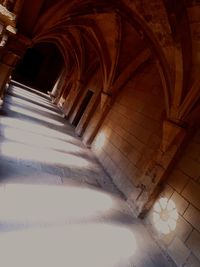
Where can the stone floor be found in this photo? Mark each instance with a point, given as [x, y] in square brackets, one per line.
[57, 205]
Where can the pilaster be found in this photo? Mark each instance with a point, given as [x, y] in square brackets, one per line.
[174, 136]
[104, 108]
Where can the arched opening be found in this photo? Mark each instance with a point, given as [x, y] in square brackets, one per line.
[128, 85]
[40, 67]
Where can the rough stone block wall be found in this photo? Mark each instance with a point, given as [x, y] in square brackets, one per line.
[183, 188]
[193, 9]
[132, 130]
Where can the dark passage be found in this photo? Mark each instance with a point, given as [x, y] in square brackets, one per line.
[40, 67]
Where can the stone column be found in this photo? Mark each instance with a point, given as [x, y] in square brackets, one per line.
[7, 63]
[9, 4]
[174, 137]
[58, 87]
[104, 107]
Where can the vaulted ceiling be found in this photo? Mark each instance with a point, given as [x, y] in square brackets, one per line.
[118, 34]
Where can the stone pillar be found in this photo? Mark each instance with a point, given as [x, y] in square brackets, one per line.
[79, 91]
[7, 63]
[58, 85]
[105, 106]
[9, 4]
[174, 136]
[58, 88]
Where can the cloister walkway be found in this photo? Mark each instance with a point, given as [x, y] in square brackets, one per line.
[57, 205]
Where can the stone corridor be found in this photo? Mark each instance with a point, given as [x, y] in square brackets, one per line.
[57, 205]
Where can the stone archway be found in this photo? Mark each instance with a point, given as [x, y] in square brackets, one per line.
[37, 67]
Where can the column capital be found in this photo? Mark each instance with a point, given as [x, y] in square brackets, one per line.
[172, 133]
[9, 58]
[18, 44]
[106, 99]
[79, 82]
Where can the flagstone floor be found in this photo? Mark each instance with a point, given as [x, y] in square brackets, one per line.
[57, 205]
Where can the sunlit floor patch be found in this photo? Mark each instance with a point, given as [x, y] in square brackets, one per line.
[32, 105]
[30, 95]
[73, 245]
[28, 89]
[39, 141]
[47, 228]
[33, 97]
[52, 204]
[35, 115]
[33, 127]
[21, 151]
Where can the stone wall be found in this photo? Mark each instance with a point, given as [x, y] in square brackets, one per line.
[183, 188]
[193, 9]
[132, 130]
